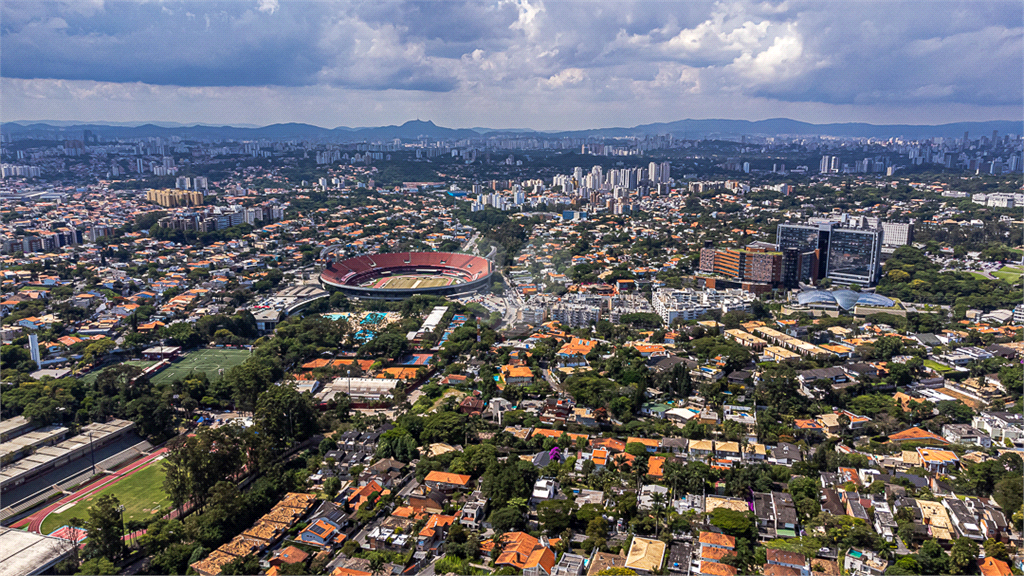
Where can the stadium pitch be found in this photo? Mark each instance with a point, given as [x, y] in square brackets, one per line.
[412, 282]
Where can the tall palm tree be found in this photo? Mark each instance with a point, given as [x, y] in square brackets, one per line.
[377, 565]
[658, 507]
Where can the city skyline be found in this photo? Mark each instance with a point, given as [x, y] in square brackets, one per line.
[536, 65]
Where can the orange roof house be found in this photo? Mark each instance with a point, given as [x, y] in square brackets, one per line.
[339, 571]
[906, 401]
[518, 550]
[917, 434]
[438, 480]
[650, 444]
[719, 540]
[543, 558]
[717, 569]
[362, 494]
[656, 466]
[994, 567]
[556, 434]
[610, 444]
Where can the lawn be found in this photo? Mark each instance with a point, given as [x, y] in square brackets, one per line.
[936, 366]
[1009, 274]
[210, 361]
[91, 377]
[141, 494]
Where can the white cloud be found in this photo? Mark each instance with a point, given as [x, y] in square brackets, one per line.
[567, 77]
[267, 6]
[560, 62]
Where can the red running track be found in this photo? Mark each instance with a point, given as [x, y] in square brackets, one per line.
[35, 522]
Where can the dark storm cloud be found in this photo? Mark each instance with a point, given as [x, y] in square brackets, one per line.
[857, 53]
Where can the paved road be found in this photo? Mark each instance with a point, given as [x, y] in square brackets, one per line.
[35, 522]
[429, 570]
[404, 492]
[472, 239]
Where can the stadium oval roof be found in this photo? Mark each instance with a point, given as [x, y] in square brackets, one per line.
[845, 299]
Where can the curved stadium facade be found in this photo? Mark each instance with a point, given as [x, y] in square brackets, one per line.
[845, 299]
[464, 273]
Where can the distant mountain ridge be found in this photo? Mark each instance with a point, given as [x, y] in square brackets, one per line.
[413, 129]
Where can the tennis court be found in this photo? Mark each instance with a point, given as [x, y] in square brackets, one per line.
[211, 361]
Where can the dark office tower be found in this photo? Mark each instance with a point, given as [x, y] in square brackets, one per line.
[854, 256]
[807, 239]
[791, 268]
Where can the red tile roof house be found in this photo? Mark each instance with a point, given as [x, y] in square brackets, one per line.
[435, 532]
[289, 555]
[447, 482]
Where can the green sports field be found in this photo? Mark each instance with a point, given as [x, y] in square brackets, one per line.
[1009, 274]
[210, 361]
[91, 377]
[405, 282]
[141, 494]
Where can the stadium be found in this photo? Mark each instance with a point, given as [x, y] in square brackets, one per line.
[399, 275]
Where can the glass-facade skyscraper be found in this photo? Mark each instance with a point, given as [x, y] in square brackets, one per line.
[827, 250]
[854, 256]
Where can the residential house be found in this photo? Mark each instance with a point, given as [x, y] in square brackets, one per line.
[359, 496]
[433, 535]
[701, 450]
[288, 555]
[516, 375]
[776, 515]
[429, 501]
[497, 407]
[446, 481]
[864, 563]
[646, 555]
[673, 445]
[472, 405]
[601, 561]
[791, 560]
[517, 548]
[645, 501]
[755, 452]
[990, 566]
[569, 565]
[936, 460]
[991, 519]
[729, 451]
[785, 454]
[1001, 426]
[391, 535]
[714, 547]
[649, 444]
[963, 519]
[585, 496]
[885, 525]
[321, 532]
[541, 562]
[474, 512]
[916, 434]
[965, 434]
[544, 489]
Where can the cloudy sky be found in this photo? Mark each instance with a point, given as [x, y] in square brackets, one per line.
[511, 64]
